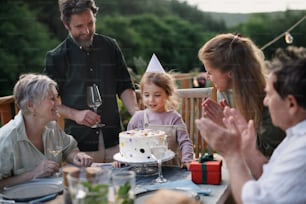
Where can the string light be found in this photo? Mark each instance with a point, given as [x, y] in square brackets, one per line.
[286, 34]
[288, 38]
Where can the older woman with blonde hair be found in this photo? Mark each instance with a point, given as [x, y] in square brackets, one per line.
[25, 141]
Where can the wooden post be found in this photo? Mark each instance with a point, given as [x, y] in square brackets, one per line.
[5, 109]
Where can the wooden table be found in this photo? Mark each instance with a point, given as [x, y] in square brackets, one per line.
[219, 194]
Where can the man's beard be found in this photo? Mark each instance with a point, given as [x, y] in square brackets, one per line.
[84, 43]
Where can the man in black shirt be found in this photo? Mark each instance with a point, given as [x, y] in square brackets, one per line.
[85, 58]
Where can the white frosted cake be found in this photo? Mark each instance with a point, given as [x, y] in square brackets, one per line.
[134, 145]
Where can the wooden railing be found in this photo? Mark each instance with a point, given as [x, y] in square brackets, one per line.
[8, 109]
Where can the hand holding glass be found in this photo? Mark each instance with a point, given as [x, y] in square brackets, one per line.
[94, 100]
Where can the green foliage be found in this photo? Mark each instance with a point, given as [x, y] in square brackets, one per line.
[174, 40]
[123, 196]
[23, 43]
[161, 8]
[171, 29]
[262, 28]
[96, 193]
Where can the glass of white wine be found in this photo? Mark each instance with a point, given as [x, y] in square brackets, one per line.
[158, 152]
[55, 151]
[94, 100]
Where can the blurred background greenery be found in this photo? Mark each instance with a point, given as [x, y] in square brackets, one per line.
[172, 29]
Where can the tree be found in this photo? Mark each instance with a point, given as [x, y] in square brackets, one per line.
[262, 28]
[23, 42]
[174, 40]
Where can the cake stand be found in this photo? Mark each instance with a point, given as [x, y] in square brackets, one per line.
[147, 167]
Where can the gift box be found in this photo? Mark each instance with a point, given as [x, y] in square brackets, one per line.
[206, 172]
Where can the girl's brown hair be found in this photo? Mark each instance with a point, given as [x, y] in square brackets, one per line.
[164, 81]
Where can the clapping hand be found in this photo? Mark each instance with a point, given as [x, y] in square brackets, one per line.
[214, 111]
[246, 129]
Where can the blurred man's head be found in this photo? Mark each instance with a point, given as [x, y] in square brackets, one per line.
[286, 92]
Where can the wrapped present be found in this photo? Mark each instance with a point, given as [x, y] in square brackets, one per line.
[206, 170]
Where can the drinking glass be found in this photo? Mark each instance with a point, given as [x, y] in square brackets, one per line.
[158, 152]
[55, 151]
[94, 100]
[123, 186]
[91, 188]
[73, 171]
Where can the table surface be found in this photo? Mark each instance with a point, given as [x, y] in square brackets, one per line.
[219, 193]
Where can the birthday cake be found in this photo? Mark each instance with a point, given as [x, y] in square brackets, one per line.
[134, 145]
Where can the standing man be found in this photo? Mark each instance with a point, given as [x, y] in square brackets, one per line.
[85, 58]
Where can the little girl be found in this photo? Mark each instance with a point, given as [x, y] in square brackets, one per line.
[158, 96]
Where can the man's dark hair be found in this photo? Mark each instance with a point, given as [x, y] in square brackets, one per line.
[291, 79]
[290, 52]
[70, 7]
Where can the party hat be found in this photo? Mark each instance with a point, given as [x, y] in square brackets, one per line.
[154, 65]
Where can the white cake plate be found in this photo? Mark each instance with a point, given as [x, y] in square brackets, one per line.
[169, 155]
[144, 168]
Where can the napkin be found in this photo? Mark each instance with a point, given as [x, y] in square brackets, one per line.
[186, 185]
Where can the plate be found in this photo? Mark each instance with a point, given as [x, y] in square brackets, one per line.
[169, 155]
[29, 191]
[110, 166]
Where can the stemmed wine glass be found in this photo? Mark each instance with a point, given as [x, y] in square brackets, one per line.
[55, 151]
[158, 152]
[94, 100]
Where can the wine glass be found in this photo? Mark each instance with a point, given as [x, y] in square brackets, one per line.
[55, 151]
[94, 100]
[158, 152]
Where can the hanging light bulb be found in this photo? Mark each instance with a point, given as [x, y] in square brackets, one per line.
[288, 38]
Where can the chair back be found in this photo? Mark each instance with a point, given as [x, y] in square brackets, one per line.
[8, 109]
[191, 109]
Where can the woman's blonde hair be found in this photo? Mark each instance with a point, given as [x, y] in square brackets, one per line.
[164, 81]
[245, 61]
